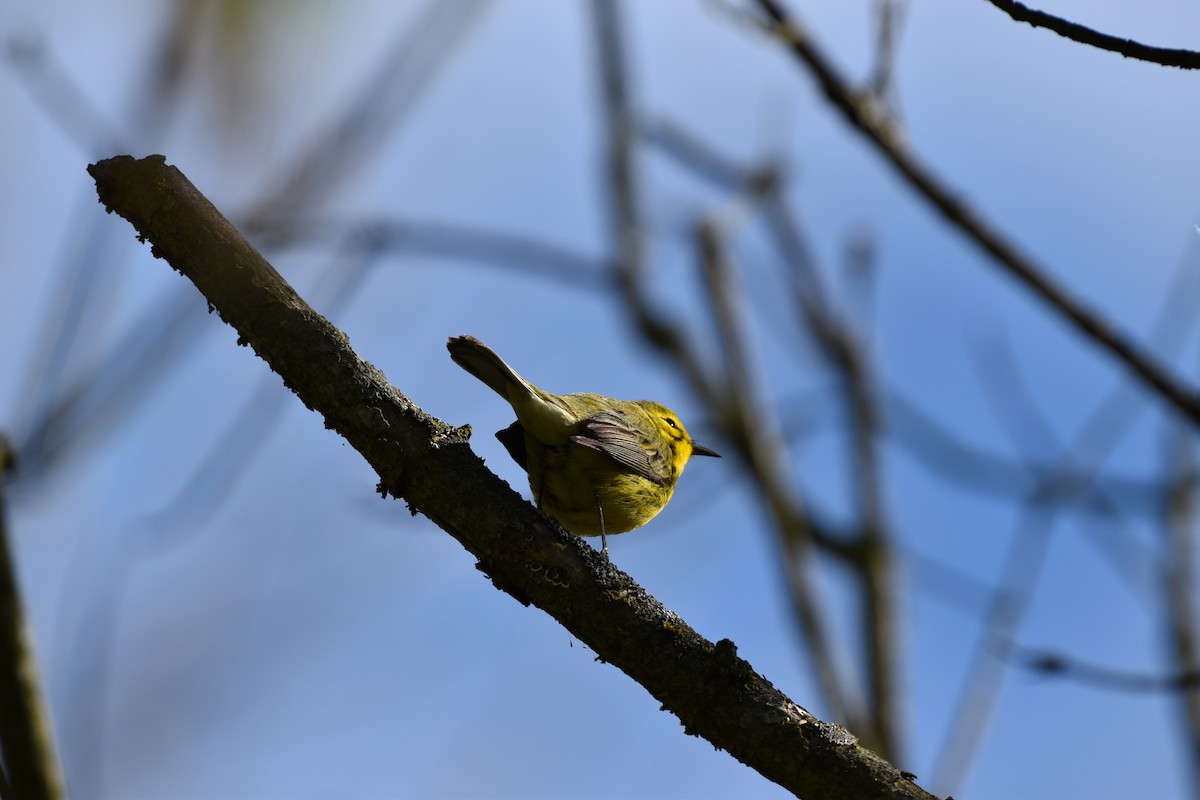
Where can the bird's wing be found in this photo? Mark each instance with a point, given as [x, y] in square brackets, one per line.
[620, 439]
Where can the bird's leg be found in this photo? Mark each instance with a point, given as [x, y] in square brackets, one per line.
[603, 539]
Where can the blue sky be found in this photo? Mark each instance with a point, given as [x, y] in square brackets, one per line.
[287, 634]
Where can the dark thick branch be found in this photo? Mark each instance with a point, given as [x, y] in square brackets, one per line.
[864, 112]
[715, 693]
[1168, 57]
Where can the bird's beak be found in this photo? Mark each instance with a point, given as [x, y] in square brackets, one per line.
[701, 450]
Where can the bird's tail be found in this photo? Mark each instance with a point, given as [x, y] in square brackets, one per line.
[478, 359]
[544, 416]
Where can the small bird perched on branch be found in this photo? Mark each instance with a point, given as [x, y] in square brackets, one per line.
[595, 464]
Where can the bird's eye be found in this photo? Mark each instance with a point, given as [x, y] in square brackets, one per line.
[670, 422]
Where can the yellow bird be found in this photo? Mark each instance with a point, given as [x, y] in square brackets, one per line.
[595, 464]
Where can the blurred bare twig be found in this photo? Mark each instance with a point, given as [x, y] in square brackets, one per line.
[1019, 576]
[873, 556]
[866, 549]
[416, 58]
[889, 16]
[64, 102]
[71, 406]
[1028, 550]
[951, 457]
[1081, 461]
[536, 258]
[735, 417]
[1179, 586]
[1057, 665]
[755, 431]
[30, 767]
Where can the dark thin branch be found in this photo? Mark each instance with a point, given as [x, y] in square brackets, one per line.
[715, 693]
[864, 112]
[1166, 56]
[30, 765]
[916, 431]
